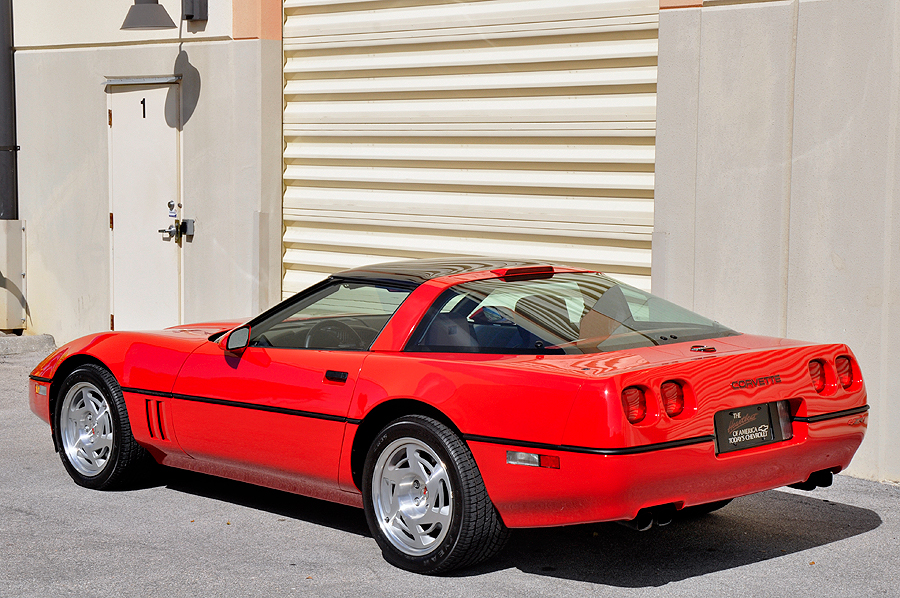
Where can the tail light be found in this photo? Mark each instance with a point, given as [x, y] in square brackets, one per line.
[635, 404]
[817, 373]
[672, 397]
[844, 370]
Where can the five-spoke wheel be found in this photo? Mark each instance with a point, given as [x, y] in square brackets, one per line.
[92, 430]
[86, 428]
[411, 494]
[425, 501]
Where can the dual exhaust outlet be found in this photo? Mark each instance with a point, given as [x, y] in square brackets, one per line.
[818, 479]
[662, 515]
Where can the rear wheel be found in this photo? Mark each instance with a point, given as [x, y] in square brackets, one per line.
[93, 431]
[425, 501]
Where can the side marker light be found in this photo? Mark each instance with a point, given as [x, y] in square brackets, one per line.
[532, 460]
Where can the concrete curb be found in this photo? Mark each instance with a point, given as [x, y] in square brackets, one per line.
[13, 345]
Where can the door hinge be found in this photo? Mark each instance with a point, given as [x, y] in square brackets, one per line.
[112, 322]
[110, 117]
[110, 221]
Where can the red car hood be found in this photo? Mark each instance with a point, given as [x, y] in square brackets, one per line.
[207, 328]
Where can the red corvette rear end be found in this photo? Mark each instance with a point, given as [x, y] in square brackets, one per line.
[670, 410]
[681, 431]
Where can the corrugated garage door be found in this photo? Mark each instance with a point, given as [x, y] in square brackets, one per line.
[425, 128]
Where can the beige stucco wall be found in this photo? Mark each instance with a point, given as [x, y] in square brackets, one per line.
[776, 180]
[230, 160]
[55, 23]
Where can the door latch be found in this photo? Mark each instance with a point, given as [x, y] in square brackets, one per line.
[181, 228]
[172, 231]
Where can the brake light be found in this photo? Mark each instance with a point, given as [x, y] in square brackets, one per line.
[672, 397]
[817, 373]
[524, 273]
[635, 404]
[844, 370]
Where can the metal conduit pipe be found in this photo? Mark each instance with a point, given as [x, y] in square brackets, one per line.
[9, 195]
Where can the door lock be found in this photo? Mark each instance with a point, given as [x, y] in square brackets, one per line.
[181, 228]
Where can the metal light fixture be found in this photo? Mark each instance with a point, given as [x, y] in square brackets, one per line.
[147, 14]
[194, 10]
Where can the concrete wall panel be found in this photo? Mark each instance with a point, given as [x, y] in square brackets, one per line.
[231, 177]
[795, 201]
[742, 164]
[676, 155]
[843, 246]
[93, 22]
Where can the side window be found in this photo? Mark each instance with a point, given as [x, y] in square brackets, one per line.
[494, 317]
[344, 315]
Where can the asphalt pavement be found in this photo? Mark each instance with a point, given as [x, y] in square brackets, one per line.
[186, 534]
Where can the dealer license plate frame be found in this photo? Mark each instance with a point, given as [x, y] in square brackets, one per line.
[741, 428]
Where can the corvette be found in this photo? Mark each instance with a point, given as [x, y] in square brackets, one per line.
[453, 399]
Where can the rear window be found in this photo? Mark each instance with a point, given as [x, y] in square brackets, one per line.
[564, 313]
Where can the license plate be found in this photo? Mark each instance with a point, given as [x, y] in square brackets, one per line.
[747, 427]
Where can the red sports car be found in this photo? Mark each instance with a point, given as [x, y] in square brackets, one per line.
[453, 399]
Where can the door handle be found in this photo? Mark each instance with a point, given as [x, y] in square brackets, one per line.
[181, 228]
[336, 376]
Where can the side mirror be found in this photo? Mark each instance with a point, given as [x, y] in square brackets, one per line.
[237, 340]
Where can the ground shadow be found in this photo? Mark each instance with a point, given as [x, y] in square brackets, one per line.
[283, 504]
[750, 530]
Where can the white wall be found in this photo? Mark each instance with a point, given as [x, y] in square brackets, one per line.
[776, 180]
[95, 22]
[231, 168]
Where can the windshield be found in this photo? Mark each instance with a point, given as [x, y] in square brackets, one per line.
[562, 313]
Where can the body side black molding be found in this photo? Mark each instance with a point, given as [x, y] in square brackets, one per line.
[826, 416]
[631, 450]
[238, 404]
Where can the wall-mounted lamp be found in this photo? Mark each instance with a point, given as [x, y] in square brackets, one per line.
[149, 14]
[194, 10]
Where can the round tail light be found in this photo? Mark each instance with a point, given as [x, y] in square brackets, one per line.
[817, 373]
[844, 370]
[635, 404]
[673, 398]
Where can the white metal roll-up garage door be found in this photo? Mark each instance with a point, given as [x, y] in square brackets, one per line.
[423, 128]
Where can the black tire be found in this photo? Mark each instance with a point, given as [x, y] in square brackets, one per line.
[701, 510]
[93, 433]
[467, 528]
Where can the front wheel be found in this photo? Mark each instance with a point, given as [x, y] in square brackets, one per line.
[93, 432]
[425, 501]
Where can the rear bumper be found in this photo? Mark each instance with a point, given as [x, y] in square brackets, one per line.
[593, 487]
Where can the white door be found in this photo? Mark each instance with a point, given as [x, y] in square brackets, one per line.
[145, 198]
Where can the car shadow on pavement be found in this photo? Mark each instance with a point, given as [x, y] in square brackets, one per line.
[751, 529]
[283, 504]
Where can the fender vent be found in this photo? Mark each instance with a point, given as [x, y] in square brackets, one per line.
[155, 419]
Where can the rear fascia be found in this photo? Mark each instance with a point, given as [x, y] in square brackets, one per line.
[592, 488]
[610, 469]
